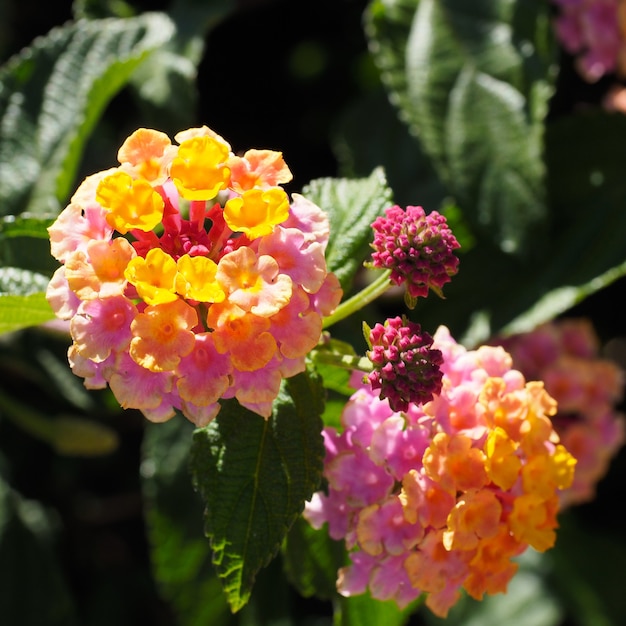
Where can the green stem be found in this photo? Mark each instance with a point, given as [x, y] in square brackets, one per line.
[345, 361]
[360, 299]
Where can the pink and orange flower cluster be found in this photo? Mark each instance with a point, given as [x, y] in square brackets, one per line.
[594, 32]
[442, 496]
[565, 354]
[188, 275]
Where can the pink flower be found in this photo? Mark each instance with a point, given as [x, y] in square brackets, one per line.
[591, 30]
[565, 355]
[442, 496]
[189, 276]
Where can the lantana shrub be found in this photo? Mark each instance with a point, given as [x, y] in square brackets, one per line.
[189, 277]
[299, 367]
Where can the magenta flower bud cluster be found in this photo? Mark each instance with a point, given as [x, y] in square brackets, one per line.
[406, 368]
[417, 248]
[565, 355]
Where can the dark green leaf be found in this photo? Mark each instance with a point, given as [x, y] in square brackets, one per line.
[312, 559]
[180, 554]
[473, 82]
[51, 96]
[352, 206]
[33, 590]
[586, 191]
[254, 476]
[25, 225]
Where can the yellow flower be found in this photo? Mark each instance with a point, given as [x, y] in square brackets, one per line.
[154, 277]
[196, 279]
[257, 211]
[502, 464]
[130, 203]
[199, 170]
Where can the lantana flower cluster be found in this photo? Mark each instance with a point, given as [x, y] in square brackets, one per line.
[188, 275]
[442, 496]
[593, 31]
[565, 354]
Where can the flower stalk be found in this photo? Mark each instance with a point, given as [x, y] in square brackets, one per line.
[359, 300]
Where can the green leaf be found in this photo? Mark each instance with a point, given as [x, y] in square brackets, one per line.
[22, 311]
[352, 205]
[363, 610]
[25, 225]
[586, 190]
[180, 554]
[473, 83]
[51, 96]
[254, 476]
[388, 144]
[311, 560]
[33, 588]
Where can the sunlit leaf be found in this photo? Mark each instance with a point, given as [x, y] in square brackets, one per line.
[473, 81]
[44, 129]
[22, 311]
[352, 205]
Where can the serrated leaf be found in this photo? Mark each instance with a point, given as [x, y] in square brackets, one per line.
[497, 170]
[388, 144]
[352, 205]
[254, 476]
[22, 311]
[470, 78]
[43, 128]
